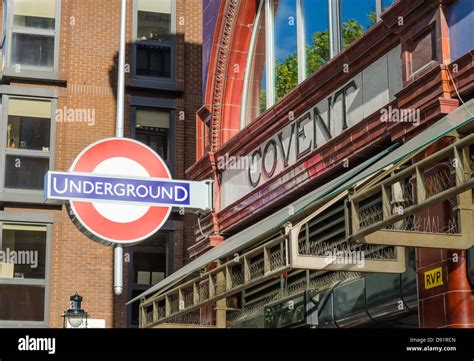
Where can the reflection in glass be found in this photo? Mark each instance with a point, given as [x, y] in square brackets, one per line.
[316, 26]
[286, 54]
[387, 3]
[256, 101]
[154, 20]
[357, 16]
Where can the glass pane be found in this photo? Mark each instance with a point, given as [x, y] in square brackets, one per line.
[387, 3]
[21, 303]
[23, 252]
[36, 14]
[23, 172]
[32, 50]
[154, 20]
[349, 299]
[154, 61]
[152, 129]
[29, 124]
[356, 17]
[316, 22]
[149, 268]
[153, 118]
[150, 258]
[256, 102]
[286, 54]
[28, 133]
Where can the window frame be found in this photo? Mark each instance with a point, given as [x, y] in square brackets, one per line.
[157, 104]
[25, 195]
[32, 219]
[335, 45]
[30, 72]
[168, 228]
[143, 81]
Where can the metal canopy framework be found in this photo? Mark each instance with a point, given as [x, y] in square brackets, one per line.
[316, 244]
[269, 261]
[267, 227]
[401, 218]
[274, 247]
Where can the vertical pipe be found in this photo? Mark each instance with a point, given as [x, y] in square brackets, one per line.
[118, 269]
[121, 72]
[118, 251]
[335, 42]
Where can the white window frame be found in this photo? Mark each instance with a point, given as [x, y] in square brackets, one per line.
[24, 71]
[334, 21]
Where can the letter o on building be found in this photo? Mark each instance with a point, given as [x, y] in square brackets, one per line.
[271, 143]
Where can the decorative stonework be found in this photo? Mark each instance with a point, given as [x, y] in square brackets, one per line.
[221, 70]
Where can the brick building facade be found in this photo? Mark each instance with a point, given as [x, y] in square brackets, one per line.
[59, 59]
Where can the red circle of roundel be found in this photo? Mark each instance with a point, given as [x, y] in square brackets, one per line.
[91, 219]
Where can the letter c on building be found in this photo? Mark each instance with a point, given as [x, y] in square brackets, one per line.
[252, 157]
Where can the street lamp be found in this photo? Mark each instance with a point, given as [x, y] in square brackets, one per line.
[75, 316]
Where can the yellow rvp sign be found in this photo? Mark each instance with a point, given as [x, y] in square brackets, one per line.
[434, 278]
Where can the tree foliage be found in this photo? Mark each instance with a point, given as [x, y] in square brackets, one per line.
[317, 54]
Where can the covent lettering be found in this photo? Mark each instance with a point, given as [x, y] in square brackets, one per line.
[277, 150]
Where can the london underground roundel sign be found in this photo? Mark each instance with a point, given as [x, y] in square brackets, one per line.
[120, 191]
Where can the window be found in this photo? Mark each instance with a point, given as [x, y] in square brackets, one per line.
[387, 3]
[154, 39]
[154, 20]
[356, 18]
[316, 33]
[154, 61]
[33, 35]
[150, 263]
[23, 272]
[152, 127]
[28, 141]
[292, 39]
[255, 99]
[286, 52]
